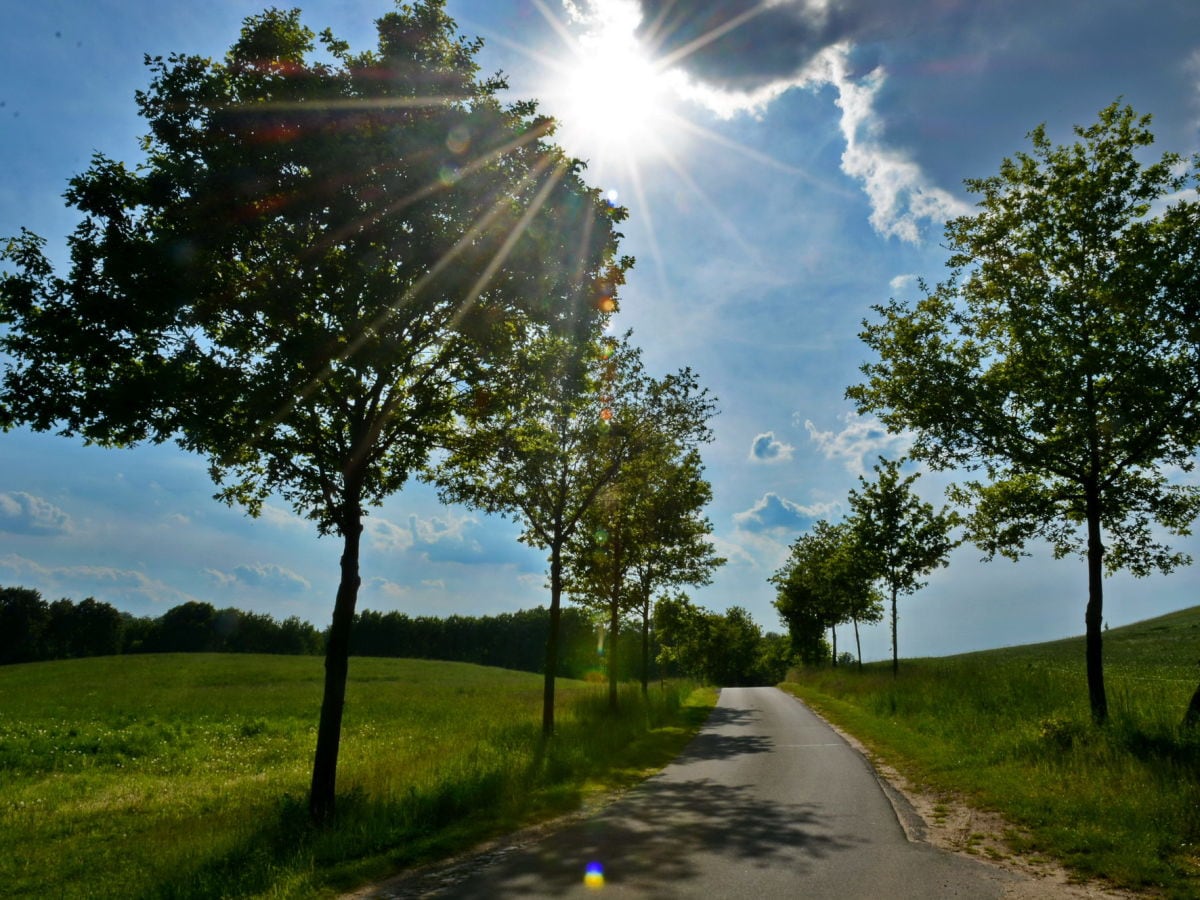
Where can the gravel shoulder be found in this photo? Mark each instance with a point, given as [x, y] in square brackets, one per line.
[946, 821]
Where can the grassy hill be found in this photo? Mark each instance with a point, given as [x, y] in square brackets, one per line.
[186, 775]
[1010, 730]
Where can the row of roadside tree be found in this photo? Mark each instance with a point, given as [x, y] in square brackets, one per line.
[1056, 369]
[333, 271]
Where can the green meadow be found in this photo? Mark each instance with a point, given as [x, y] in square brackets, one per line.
[186, 775]
[1010, 730]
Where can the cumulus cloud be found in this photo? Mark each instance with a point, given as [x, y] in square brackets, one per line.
[901, 196]
[435, 536]
[22, 513]
[902, 282]
[261, 576]
[767, 448]
[388, 589]
[279, 517]
[773, 512]
[121, 587]
[859, 439]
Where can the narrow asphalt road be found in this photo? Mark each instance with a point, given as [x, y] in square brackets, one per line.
[767, 801]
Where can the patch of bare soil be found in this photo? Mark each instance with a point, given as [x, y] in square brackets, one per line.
[948, 822]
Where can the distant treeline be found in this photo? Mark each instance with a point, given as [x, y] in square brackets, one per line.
[32, 630]
[510, 641]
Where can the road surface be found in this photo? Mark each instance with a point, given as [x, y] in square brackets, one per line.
[767, 801]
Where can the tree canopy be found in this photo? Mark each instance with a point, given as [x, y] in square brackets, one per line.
[1061, 357]
[322, 256]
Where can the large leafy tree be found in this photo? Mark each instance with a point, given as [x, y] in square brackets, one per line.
[320, 254]
[901, 537]
[1061, 357]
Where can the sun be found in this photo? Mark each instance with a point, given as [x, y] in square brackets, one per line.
[614, 105]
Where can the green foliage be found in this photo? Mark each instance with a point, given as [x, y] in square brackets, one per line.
[183, 775]
[1010, 730]
[827, 580]
[900, 537]
[717, 648]
[1061, 356]
[647, 531]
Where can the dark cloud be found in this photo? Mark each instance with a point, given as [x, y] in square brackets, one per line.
[745, 44]
[959, 73]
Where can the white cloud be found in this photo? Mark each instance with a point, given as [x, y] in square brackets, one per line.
[901, 197]
[121, 587]
[902, 282]
[388, 589]
[22, 513]
[262, 576]
[284, 518]
[768, 449]
[859, 439]
[388, 536]
[772, 512]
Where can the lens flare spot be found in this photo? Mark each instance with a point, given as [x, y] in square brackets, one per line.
[606, 414]
[459, 139]
[593, 877]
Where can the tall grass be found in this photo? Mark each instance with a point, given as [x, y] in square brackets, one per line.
[187, 775]
[1011, 729]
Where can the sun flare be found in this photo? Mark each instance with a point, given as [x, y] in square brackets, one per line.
[613, 103]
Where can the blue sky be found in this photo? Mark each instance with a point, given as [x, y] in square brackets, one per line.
[786, 165]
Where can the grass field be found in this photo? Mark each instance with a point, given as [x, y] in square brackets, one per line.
[186, 775]
[1010, 730]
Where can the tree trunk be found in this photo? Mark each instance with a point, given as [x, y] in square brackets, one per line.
[895, 650]
[833, 635]
[614, 622]
[646, 647]
[1094, 617]
[1192, 717]
[337, 666]
[857, 642]
[552, 639]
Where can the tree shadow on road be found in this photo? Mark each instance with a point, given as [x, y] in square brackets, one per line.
[657, 841]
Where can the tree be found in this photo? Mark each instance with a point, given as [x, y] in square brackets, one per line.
[734, 643]
[670, 535]
[646, 528]
[546, 445]
[1061, 357]
[826, 581]
[647, 533]
[315, 265]
[24, 616]
[682, 631]
[900, 536]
